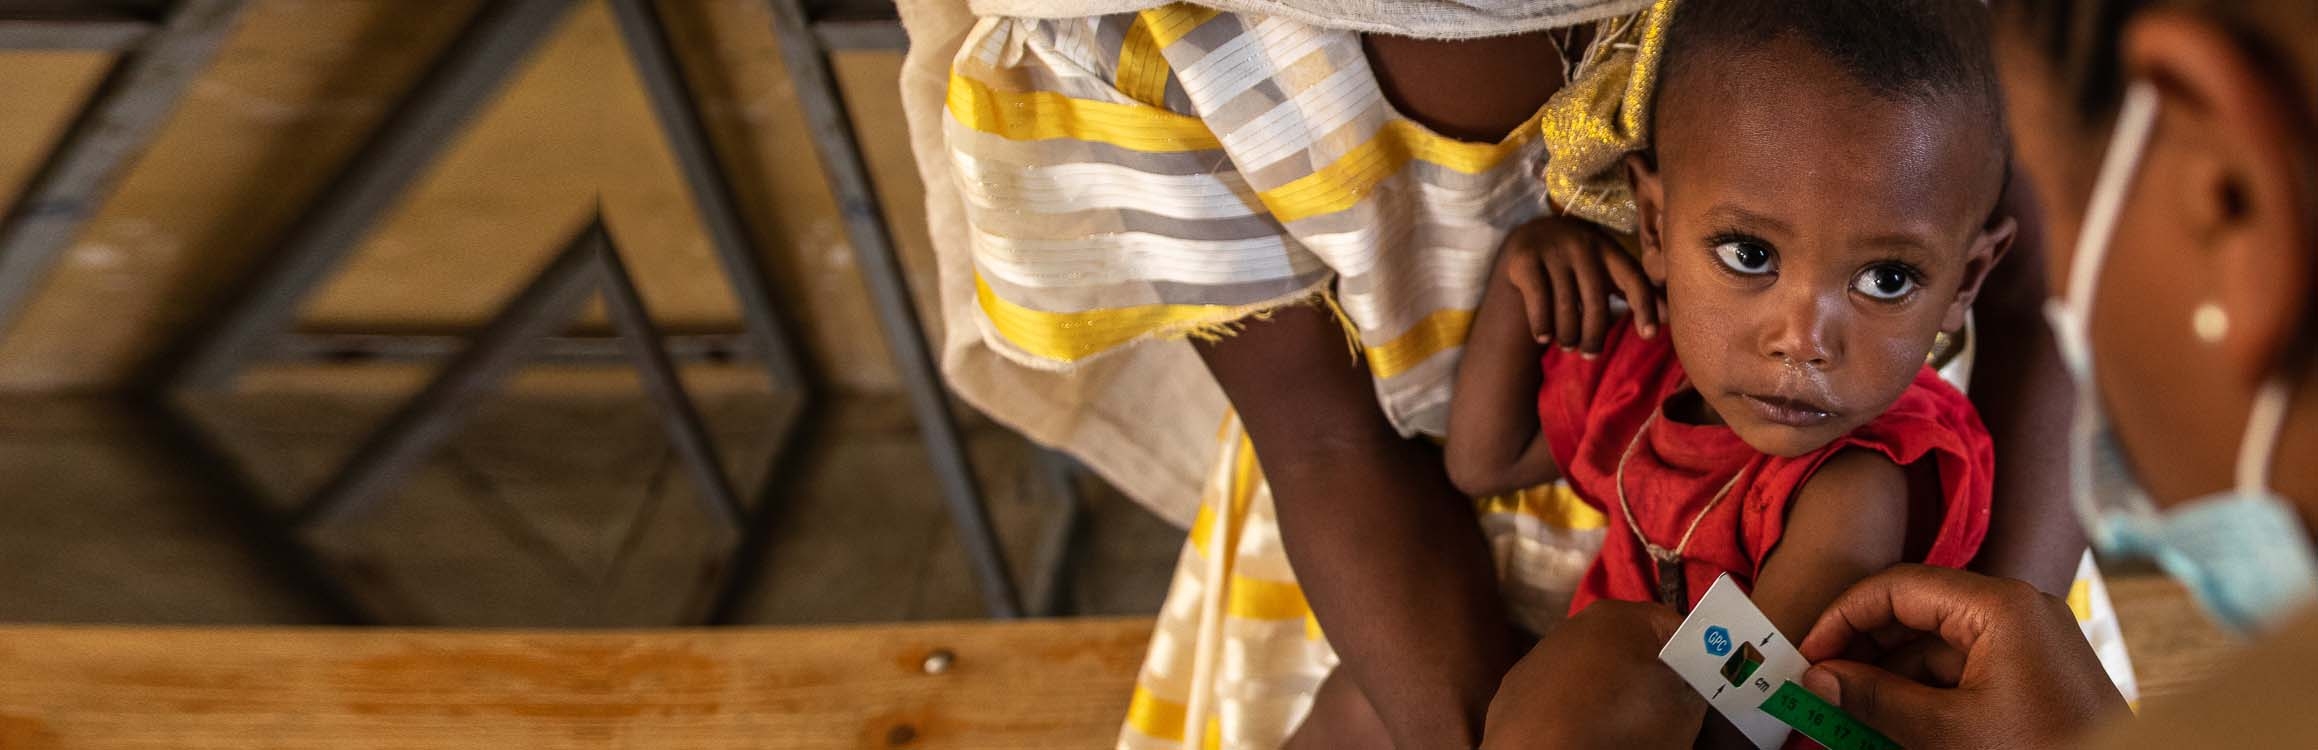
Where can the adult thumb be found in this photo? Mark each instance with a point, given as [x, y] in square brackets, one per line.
[1906, 711]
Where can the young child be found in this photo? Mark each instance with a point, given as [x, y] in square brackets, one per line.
[1815, 213]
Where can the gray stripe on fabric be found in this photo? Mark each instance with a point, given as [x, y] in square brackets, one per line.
[1110, 36]
[1387, 205]
[1419, 396]
[1513, 202]
[1514, 169]
[1246, 293]
[1175, 99]
[1282, 83]
[1203, 40]
[992, 148]
[1249, 104]
[1076, 86]
[1100, 221]
[1137, 292]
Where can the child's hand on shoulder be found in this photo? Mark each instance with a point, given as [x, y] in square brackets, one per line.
[1566, 270]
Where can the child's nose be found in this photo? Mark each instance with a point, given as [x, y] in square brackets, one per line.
[1802, 333]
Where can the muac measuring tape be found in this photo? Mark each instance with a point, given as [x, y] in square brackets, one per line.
[1824, 723]
[1740, 663]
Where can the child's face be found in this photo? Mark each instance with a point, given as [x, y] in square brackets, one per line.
[1813, 238]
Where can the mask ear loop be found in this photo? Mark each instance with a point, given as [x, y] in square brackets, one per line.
[2260, 446]
[2136, 118]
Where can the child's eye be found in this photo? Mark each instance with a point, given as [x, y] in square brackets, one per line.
[1885, 282]
[1744, 256]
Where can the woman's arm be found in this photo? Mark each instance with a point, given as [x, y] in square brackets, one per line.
[2024, 397]
[1387, 552]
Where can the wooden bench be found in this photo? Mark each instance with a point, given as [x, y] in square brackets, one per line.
[1055, 684]
[1059, 684]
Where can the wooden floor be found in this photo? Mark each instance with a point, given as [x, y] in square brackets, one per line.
[1052, 684]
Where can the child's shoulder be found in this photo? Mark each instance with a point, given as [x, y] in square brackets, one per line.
[1932, 428]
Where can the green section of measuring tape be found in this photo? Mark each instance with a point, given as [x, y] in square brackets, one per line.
[1799, 708]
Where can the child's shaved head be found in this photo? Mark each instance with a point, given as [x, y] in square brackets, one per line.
[1896, 48]
[1916, 51]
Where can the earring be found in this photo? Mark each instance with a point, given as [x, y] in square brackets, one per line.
[2210, 323]
[1943, 349]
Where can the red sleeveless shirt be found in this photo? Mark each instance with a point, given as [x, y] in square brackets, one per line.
[1589, 411]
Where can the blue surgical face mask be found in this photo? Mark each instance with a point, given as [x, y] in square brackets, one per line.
[2243, 553]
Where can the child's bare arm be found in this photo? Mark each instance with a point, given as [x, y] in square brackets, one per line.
[1554, 274]
[1494, 443]
[1847, 522]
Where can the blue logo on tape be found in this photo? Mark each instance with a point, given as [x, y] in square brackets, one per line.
[1718, 641]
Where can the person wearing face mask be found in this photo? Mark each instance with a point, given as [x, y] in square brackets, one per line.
[2194, 245]
[2174, 146]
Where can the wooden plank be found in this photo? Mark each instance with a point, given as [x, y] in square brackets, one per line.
[1045, 684]
[2174, 645]
[1041, 684]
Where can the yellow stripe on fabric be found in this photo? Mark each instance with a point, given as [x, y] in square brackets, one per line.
[1244, 476]
[1244, 597]
[1202, 526]
[1142, 70]
[1434, 334]
[1155, 717]
[1342, 183]
[1259, 599]
[1312, 628]
[2080, 599]
[1171, 23]
[1072, 336]
[1555, 505]
[1237, 492]
[1043, 115]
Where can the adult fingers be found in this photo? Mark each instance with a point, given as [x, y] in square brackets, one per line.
[1953, 605]
[1593, 283]
[1528, 277]
[1640, 295]
[1567, 318]
[1874, 646]
[1930, 661]
[1910, 713]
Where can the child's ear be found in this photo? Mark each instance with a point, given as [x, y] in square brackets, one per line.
[1987, 250]
[1649, 200]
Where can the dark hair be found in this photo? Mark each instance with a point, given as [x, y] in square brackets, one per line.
[1902, 49]
[2080, 38]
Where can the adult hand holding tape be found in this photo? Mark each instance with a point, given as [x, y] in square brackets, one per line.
[1982, 662]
